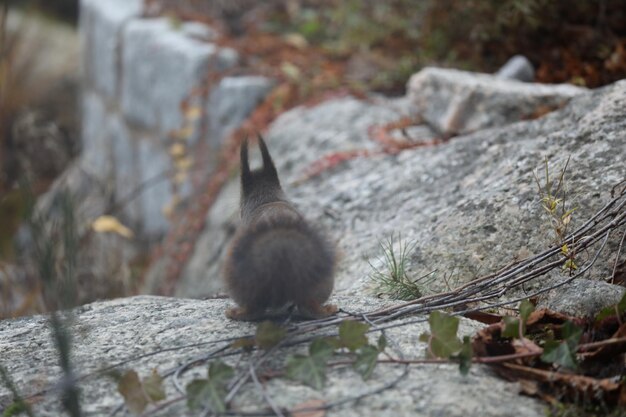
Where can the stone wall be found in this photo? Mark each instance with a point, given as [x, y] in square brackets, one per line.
[146, 90]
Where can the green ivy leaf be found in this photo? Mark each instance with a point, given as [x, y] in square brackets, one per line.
[424, 337]
[366, 358]
[571, 334]
[352, 334]
[465, 356]
[153, 386]
[382, 343]
[220, 373]
[198, 391]
[211, 391]
[311, 369]
[558, 353]
[511, 327]
[563, 353]
[245, 343]
[334, 342]
[321, 349]
[269, 335]
[525, 309]
[444, 343]
[615, 310]
[130, 387]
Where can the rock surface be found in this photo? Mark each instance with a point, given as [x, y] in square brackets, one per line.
[155, 333]
[517, 68]
[454, 101]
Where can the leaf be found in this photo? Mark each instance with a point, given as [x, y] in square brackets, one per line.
[131, 389]
[424, 337]
[322, 349]
[291, 71]
[212, 391]
[511, 327]
[269, 335]
[525, 308]
[366, 359]
[443, 342]
[571, 334]
[311, 369]
[109, 224]
[352, 334]
[197, 391]
[153, 386]
[558, 353]
[244, 343]
[563, 353]
[334, 342]
[615, 310]
[465, 356]
[219, 372]
[193, 112]
[382, 343]
[307, 370]
[177, 150]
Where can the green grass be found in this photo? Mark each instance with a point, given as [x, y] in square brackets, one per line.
[392, 277]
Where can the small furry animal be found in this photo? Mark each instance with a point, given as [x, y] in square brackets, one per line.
[276, 258]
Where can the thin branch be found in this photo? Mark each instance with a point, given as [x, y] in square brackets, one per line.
[264, 393]
[619, 251]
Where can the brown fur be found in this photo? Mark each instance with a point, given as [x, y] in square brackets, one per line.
[276, 257]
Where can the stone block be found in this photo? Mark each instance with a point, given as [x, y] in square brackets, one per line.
[454, 101]
[161, 68]
[154, 166]
[100, 26]
[96, 157]
[126, 172]
[517, 68]
[231, 102]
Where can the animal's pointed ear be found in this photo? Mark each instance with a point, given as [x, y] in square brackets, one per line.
[268, 165]
[245, 165]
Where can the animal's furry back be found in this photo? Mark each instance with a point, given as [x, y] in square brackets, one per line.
[279, 259]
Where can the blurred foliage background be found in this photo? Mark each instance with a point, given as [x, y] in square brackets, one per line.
[579, 42]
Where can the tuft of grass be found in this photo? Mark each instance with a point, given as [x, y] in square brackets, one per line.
[18, 406]
[554, 201]
[392, 278]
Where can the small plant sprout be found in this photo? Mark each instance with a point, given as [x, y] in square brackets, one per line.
[553, 200]
[391, 277]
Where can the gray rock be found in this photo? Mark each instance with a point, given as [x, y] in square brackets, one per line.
[156, 192]
[517, 68]
[231, 102]
[96, 155]
[199, 31]
[454, 101]
[109, 332]
[582, 298]
[110, 156]
[126, 172]
[161, 67]
[198, 278]
[100, 27]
